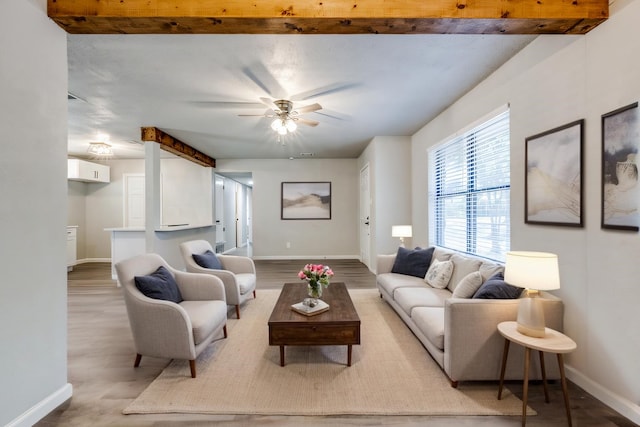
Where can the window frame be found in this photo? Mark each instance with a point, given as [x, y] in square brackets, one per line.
[468, 143]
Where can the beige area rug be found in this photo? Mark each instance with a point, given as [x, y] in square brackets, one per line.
[391, 374]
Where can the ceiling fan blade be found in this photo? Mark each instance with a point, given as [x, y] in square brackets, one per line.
[269, 103]
[264, 79]
[324, 90]
[307, 122]
[226, 104]
[308, 108]
[334, 115]
[267, 114]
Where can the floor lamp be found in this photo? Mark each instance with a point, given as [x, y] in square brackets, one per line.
[534, 271]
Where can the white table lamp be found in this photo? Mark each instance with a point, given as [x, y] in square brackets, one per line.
[401, 231]
[534, 271]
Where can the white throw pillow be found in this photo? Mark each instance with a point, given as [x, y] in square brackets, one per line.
[439, 274]
[468, 286]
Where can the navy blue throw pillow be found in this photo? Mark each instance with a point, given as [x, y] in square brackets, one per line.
[412, 262]
[208, 260]
[159, 285]
[496, 288]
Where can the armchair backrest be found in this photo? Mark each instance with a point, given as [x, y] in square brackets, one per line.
[139, 265]
[194, 247]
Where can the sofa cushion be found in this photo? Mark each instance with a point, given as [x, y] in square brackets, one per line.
[462, 266]
[159, 285]
[439, 274]
[392, 281]
[497, 288]
[468, 286]
[412, 262]
[442, 254]
[205, 316]
[409, 298]
[430, 321]
[208, 260]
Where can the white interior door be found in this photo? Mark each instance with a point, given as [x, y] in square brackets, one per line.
[134, 200]
[219, 202]
[365, 217]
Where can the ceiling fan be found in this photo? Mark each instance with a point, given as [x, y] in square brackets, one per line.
[286, 117]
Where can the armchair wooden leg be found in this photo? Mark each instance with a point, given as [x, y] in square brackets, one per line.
[254, 293]
[238, 311]
[138, 359]
[225, 330]
[192, 365]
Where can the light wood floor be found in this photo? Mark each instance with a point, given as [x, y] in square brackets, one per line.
[100, 367]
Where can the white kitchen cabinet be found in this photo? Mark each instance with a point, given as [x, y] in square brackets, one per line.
[72, 238]
[82, 170]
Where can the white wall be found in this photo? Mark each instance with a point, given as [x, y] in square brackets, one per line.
[187, 198]
[76, 213]
[553, 81]
[33, 289]
[390, 188]
[335, 238]
[187, 192]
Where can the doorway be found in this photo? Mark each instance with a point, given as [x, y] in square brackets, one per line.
[365, 217]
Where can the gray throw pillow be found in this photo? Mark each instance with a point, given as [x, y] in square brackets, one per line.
[208, 260]
[159, 285]
[496, 288]
[412, 262]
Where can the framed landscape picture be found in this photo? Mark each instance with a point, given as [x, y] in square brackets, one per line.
[306, 200]
[620, 142]
[553, 176]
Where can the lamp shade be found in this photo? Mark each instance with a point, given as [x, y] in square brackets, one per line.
[532, 270]
[401, 231]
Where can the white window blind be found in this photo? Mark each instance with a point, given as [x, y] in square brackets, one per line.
[469, 182]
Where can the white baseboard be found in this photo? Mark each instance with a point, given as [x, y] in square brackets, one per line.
[616, 402]
[43, 408]
[304, 257]
[88, 260]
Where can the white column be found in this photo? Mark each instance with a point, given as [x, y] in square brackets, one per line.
[152, 192]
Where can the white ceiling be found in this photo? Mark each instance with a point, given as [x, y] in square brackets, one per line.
[193, 87]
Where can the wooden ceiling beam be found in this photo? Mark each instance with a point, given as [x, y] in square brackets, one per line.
[175, 146]
[328, 16]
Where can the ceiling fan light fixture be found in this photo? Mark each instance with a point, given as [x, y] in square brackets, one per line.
[276, 124]
[291, 125]
[100, 149]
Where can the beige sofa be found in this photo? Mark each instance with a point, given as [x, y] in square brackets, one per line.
[461, 333]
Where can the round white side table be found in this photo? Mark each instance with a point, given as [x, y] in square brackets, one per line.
[553, 342]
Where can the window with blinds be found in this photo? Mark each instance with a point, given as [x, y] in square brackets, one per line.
[469, 182]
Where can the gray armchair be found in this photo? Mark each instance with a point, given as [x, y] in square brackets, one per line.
[167, 329]
[238, 273]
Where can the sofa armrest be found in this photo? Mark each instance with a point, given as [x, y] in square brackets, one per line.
[384, 263]
[473, 346]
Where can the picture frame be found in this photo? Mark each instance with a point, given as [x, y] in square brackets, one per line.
[554, 177]
[620, 190]
[305, 200]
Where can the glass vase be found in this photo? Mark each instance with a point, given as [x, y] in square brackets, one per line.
[314, 289]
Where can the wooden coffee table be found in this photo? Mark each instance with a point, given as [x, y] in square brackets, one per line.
[340, 325]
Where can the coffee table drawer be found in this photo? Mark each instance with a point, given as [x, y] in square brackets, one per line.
[314, 334]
